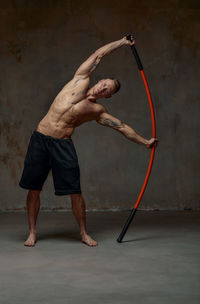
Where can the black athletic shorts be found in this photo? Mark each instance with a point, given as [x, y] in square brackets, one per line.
[45, 153]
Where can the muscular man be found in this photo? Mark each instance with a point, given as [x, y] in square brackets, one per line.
[51, 146]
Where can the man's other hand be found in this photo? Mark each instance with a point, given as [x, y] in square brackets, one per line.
[153, 142]
[128, 42]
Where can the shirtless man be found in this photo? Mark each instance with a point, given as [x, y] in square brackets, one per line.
[51, 146]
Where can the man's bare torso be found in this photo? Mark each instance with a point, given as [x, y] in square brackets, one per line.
[70, 109]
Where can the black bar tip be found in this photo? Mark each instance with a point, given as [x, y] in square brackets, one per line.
[128, 37]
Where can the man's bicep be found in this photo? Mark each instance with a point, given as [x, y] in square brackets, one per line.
[108, 120]
[87, 67]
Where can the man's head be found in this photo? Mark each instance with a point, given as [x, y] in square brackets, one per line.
[105, 88]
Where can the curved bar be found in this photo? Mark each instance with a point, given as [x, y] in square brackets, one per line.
[133, 211]
[153, 135]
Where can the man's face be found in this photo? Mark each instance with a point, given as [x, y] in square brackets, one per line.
[104, 88]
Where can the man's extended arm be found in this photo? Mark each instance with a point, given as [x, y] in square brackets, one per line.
[108, 120]
[91, 63]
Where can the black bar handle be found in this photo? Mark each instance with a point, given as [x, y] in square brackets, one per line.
[129, 220]
[135, 53]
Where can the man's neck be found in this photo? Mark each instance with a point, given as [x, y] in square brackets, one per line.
[90, 96]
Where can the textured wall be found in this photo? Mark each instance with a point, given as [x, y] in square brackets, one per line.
[41, 45]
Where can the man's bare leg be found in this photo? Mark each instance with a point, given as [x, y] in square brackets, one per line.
[33, 206]
[78, 208]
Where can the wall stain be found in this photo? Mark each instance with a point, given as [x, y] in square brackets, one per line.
[8, 101]
[19, 19]
[177, 121]
[58, 208]
[15, 209]
[184, 27]
[16, 48]
[10, 139]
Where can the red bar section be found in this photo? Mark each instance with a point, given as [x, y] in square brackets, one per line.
[153, 135]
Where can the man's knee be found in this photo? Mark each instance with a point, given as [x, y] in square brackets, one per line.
[76, 196]
[34, 193]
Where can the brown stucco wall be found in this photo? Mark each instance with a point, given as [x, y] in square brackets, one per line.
[41, 45]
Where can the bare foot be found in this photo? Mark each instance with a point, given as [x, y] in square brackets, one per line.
[31, 240]
[86, 239]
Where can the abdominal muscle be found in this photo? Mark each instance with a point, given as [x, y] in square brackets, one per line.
[60, 121]
[69, 110]
[55, 130]
[55, 124]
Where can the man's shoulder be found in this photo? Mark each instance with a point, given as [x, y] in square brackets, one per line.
[100, 108]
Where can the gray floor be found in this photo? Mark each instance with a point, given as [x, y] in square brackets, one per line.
[158, 262]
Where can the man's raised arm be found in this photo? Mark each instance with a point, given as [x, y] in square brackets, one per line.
[108, 120]
[92, 62]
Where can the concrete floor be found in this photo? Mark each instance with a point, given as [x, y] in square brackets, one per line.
[158, 262]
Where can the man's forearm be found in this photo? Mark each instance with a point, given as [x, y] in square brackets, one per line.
[129, 133]
[87, 67]
[108, 48]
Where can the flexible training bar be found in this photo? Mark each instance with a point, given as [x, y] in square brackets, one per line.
[133, 211]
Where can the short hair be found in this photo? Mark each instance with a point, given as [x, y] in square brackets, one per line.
[117, 85]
